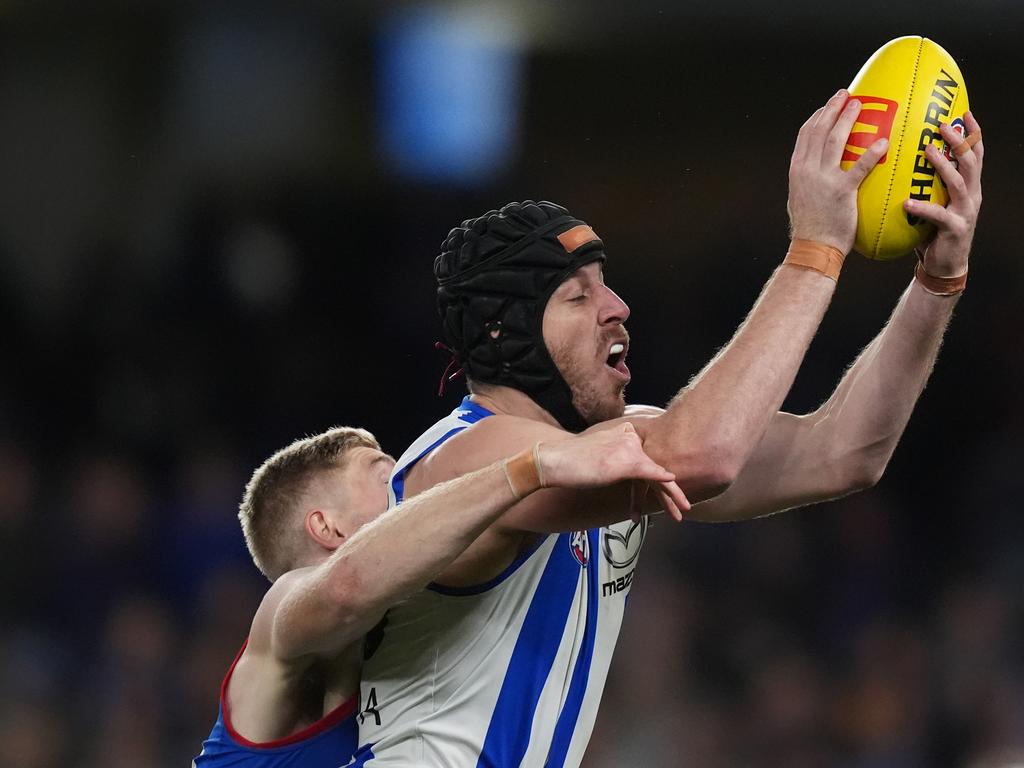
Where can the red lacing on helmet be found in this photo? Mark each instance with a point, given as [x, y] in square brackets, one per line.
[453, 363]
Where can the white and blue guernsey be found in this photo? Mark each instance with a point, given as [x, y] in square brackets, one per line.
[506, 673]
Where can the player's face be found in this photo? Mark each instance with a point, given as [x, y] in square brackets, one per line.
[585, 336]
[366, 485]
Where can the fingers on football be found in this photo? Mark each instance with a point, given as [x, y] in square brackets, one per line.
[973, 126]
[809, 129]
[936, 214]
[829, 112]
[826, 123]
[810, 121]
[955, 184]
[800, 150]
[860, 169]
[835, 141]
[968, 163]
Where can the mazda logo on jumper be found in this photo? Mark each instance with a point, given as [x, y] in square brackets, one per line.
[622, 542]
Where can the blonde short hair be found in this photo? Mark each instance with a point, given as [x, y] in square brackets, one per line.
[268, 506]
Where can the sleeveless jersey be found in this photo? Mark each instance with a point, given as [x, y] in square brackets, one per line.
[327, 743]
[509, 672]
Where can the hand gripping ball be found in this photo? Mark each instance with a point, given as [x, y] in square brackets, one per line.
[908, 88]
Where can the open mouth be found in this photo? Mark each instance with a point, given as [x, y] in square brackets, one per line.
[617, 358]
[615, 355]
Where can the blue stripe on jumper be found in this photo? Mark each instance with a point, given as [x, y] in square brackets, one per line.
[469, 412]
[508, 734]
[570, 714]
[362, 756]
[476, 589]
[398, 481]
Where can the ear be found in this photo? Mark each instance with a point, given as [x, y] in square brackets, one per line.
[320, 524]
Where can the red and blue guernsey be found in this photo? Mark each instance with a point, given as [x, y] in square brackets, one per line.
[327, 743]
[503, 674]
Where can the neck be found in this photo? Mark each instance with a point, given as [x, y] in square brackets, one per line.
[511, 402]
[314, 556]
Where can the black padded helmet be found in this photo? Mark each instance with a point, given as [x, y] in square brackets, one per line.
[495, 275]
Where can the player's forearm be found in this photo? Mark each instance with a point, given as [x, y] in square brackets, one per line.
[389, 559]
[708, 431]
[845, 444]
[711, 429]
[410, 544]
[869, 410]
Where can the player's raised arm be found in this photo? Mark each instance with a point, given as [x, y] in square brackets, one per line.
[711, 427]
[318, 611]
[846, 444]
[709, 430]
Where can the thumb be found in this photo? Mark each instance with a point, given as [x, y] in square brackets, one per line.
[628, 427]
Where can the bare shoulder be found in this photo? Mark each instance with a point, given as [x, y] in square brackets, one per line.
[264, 690]
[483, 443]
[500, 436]
[261, 631]
[257, 670]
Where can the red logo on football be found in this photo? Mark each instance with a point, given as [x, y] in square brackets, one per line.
[875, 112]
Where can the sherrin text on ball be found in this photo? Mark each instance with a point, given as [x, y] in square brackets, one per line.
[908, 88]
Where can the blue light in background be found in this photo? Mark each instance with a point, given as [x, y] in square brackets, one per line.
[449, 93]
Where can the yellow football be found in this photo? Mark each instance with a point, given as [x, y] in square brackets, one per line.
[908, 88]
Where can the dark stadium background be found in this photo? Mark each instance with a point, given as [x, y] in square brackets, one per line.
[207, 249]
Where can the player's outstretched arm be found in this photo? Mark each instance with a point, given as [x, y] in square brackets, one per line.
[711, 427]
[846, 444]
[321, 610]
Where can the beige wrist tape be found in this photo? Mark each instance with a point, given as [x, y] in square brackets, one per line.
[524, 473]
[940, 286]
[810, 254]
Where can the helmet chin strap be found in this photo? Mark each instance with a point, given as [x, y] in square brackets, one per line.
[556, 399]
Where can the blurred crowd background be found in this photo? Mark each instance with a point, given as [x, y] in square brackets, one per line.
[217, 225]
